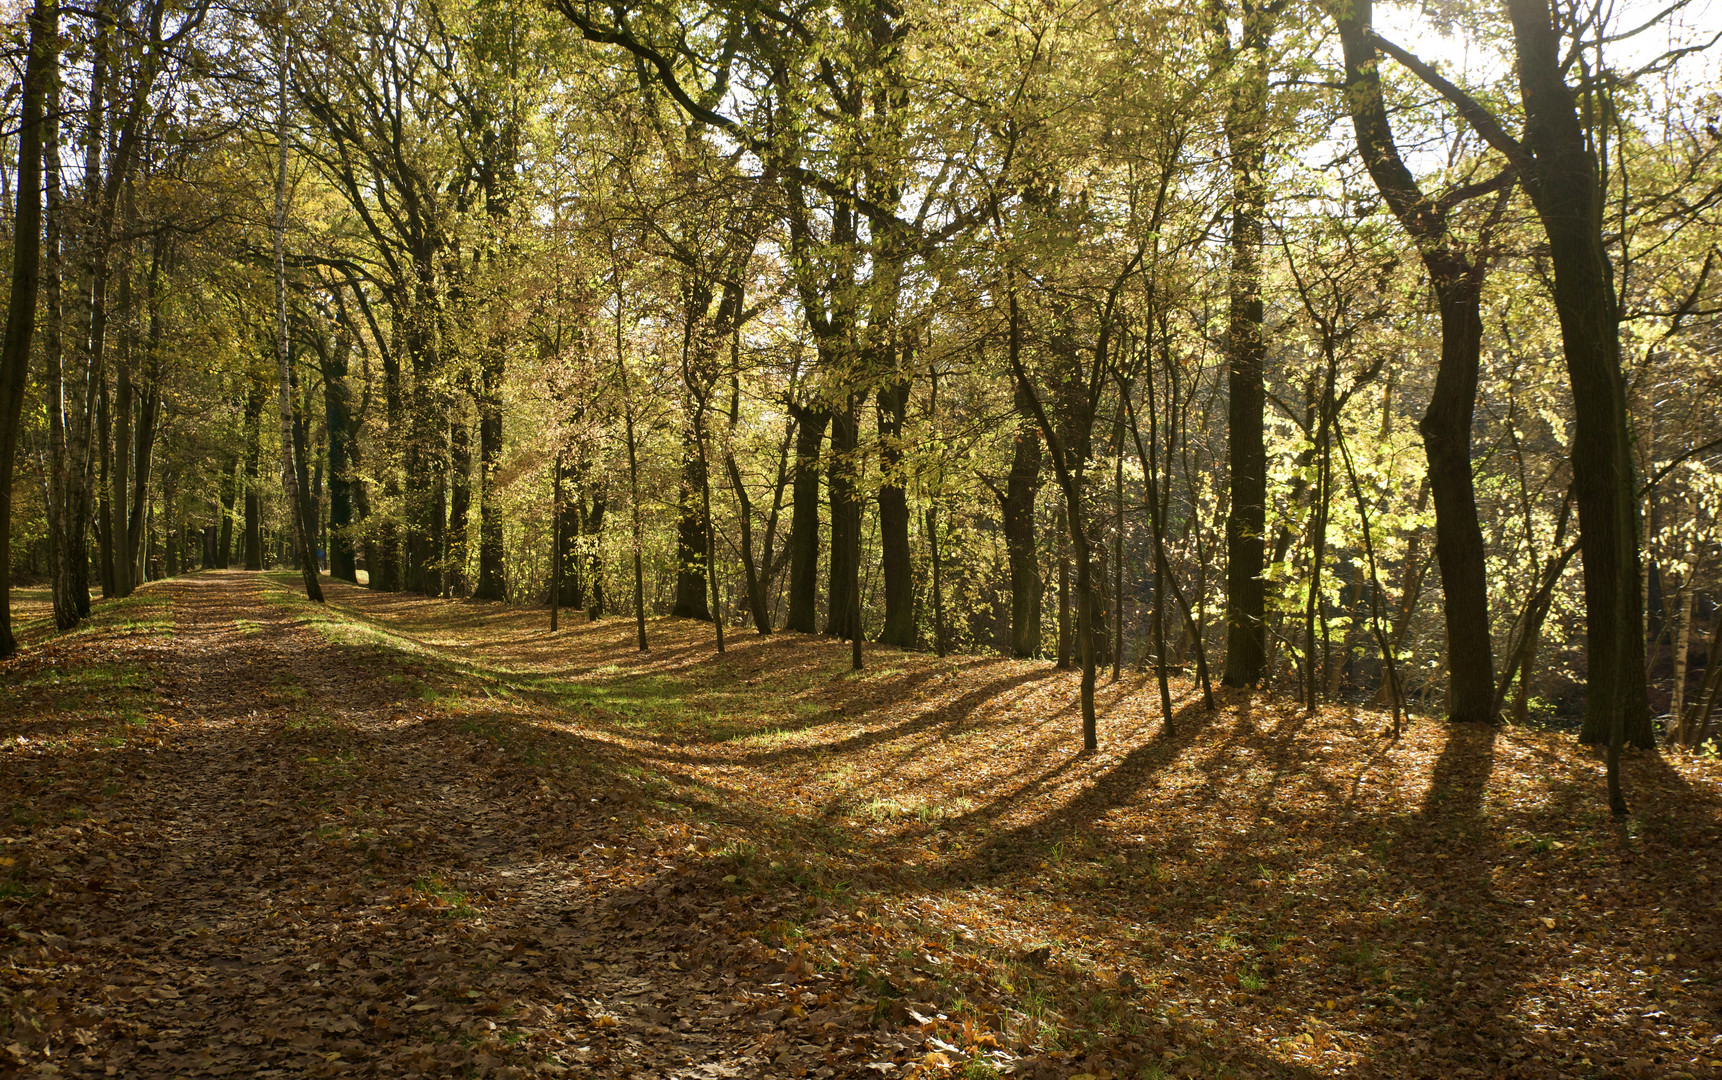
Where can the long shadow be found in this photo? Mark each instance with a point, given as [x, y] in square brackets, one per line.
[1460, 948]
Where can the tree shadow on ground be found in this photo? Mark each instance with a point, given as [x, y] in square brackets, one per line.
[1401, 899]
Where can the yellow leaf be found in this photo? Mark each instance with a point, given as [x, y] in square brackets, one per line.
[1550, 923]
[935, 1058]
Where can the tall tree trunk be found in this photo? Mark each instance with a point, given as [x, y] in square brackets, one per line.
[383, 545]
[557, 526]
[1246, 353]
[295, 474]
[26, 277]
[1566, 188]
[1446, 430]
[117, 436]
[752, 571]
[810, 424]
[173, 524]
[896, 561]
[1021, 487]
[60, 540]
[491, 582]
[1457, 278]
[1682, 641]
[149, 420]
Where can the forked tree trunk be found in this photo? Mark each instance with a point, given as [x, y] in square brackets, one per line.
[1457, 279]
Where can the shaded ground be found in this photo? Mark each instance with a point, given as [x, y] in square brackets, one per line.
[414, 837]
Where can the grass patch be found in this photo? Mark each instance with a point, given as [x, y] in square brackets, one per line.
[446, 900]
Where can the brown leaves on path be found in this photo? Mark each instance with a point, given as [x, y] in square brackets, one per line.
[415, 837]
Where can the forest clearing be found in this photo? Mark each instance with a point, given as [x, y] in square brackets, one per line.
[251, 835]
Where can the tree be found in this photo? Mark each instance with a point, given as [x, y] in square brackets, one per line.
[26, 276]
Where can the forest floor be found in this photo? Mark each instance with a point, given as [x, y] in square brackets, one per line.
[243, 835]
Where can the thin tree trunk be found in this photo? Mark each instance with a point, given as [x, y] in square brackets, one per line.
[629, 433]
[1064, 639]
[556, 544]
[1682, 642]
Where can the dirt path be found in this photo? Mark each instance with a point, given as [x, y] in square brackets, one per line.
[296, 869]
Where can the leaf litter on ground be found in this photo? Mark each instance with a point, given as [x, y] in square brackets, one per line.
[403, 836]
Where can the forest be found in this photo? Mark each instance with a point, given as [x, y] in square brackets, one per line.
[697, 419]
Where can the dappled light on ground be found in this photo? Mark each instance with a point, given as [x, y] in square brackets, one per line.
[415, 837]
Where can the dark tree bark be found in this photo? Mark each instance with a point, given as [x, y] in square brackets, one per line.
[845, 522]
[460, 501]
[117, 433]
[593, 531]
[491, 582]
[1063, 593]
[149, 420]
[1021, 487]
[229, 503]
[1457, 278]
[1246, 352]
[26, 277]
[1565, 186]
[172, 524]
[896, 562]
[255, 396]
[756, 570]
[1559, 169]
[692, 541]
[338, 419]
[104, 518]
[568, 581]
[810, 424]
